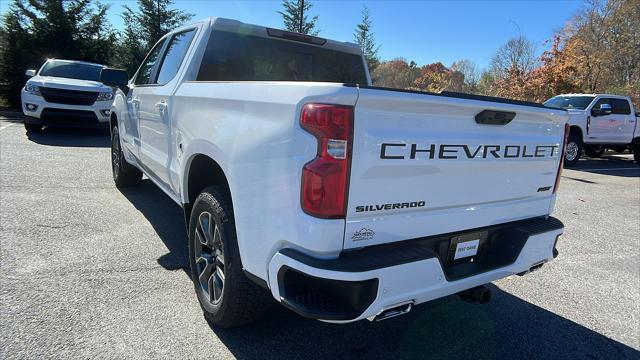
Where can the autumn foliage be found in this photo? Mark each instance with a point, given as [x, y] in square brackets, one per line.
[597, 51]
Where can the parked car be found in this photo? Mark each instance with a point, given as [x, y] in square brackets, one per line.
[598, 122]
[68, 93]
[343, 201]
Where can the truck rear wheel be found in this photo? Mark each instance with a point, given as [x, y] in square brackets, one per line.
[124, 174]
[573, 151]
[227, 297]
[636, 153]
[594, 151]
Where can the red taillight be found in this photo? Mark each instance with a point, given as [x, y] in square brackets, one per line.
[325, 179]
[567, 128]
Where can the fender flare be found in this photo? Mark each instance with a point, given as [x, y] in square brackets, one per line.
[202, 147]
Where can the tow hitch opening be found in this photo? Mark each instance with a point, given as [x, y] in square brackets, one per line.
[480, 294]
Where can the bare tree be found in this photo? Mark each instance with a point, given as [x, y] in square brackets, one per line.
[470, 73]
[517, 55]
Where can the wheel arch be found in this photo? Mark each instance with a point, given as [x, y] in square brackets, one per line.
[576, 130]
[201, 171]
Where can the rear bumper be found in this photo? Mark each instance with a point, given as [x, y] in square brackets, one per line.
[361, 284]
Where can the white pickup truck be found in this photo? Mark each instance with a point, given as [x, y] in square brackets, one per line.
[300, 181]
[67, 93]
[599, 122]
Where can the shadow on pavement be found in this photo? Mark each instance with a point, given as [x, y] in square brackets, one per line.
[608, 164]
[506, 328]
[71, 137]
[167, 220]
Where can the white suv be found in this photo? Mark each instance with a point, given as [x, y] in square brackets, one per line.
[68, 93]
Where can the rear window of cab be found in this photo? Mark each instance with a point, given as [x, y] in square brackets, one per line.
[236, 57]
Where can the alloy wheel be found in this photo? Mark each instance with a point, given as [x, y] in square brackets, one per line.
[572, 151]
[115, 155]
[209, 258]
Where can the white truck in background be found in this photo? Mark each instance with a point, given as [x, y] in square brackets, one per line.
[66, 93]
[599, 122]
[342, 201]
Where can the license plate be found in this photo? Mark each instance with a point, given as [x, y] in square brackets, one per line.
[466, 249]
[466, 246]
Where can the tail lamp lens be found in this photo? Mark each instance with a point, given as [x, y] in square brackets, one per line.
[325, 179]
[567, 129]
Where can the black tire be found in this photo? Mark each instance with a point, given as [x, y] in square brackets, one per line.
[594, 151]
[232, 299]
[636, 153]
[124, 174]
[32, 128]
[573, 151]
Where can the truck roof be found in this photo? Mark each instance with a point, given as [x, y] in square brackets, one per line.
[608, 95]
[236, 26]
[76, 62]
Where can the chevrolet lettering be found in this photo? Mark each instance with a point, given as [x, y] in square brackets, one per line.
[451, 151]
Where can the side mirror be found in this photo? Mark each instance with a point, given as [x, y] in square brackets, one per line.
[114, 77]
[605, 109]
[29, 74]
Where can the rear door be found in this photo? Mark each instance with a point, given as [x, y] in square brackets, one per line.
[422, 165]
[156, 150]
[627, 120]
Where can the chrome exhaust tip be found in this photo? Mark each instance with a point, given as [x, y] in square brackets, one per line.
[393, 311]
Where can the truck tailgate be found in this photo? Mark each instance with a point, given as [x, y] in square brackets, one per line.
[424, 165]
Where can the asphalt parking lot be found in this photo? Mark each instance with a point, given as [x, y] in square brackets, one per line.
[88, 271]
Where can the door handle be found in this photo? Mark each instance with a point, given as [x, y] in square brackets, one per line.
[162, 106]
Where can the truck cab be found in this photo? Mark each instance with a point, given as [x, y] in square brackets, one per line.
[598, 122]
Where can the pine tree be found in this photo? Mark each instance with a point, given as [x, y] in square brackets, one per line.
[296, 19]
[365, 38]
[144, 27]
[15, 56]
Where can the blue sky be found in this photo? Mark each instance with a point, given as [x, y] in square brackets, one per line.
[422, 31]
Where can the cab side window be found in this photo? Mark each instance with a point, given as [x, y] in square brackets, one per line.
[174, 55]
[620, 106]
[147, 67]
